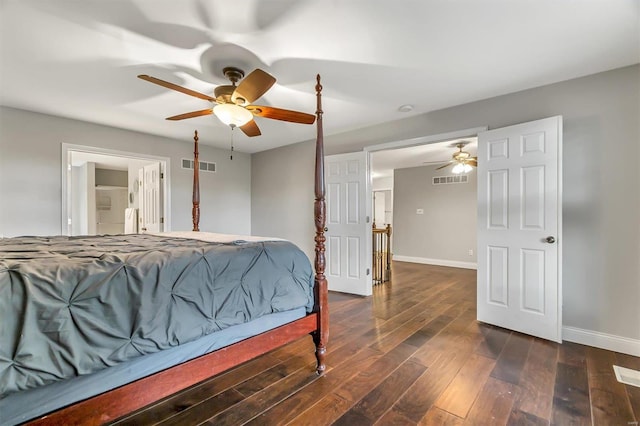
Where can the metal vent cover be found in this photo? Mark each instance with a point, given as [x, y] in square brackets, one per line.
[446, 180]
[627, 376]
[205, 166]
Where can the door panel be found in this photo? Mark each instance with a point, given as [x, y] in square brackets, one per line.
[519, 206]
[151, 199]
[348, 225]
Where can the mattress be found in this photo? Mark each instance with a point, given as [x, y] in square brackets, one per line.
[72, 306]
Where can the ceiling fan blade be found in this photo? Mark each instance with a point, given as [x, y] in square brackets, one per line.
[446, 165]
[253, 86]
[282, 114]
[191, 114]
[473, 163]
[435, 162]
[176, 87]
[251, 129]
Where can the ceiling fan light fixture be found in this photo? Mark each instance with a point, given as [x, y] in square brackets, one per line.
[231, 114]
[461, 167]
[458, 168]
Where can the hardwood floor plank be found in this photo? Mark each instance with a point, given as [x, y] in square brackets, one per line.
[570, 353]
[571, 396]
[381, 398]
[354, 389]
[522, 418]
[460, 335]
[424, 334]
[493, 405]
[251, 407]
[415, 403]
[361, 384]
[511, 360]
[537, 381]
[304, 399]
[393, 418]
[494, 341]
[438, 417]
[458, 397]
[609, 400]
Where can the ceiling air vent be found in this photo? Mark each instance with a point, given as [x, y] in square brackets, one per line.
[440, 180]
[205, 166]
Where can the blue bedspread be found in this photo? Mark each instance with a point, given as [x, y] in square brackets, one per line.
[70, 306]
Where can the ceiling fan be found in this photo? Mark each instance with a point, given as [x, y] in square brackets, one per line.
[461, 160]
[233, 104]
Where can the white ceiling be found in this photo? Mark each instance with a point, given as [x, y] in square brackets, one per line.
[80, 59]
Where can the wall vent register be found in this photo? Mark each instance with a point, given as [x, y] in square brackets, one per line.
[205, 166]
[440, 180]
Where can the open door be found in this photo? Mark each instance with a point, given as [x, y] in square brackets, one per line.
[520, 228]
[348, 223]
[151, 199]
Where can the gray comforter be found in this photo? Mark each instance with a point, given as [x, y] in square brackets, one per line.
[70, 306]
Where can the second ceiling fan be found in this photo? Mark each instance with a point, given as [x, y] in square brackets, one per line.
[462, 161]
[233, 104]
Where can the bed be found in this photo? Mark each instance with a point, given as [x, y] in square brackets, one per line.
[195, 310]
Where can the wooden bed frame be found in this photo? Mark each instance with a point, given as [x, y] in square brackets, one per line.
[118, 402]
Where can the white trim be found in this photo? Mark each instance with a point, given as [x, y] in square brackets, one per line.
[67, 149]
[438, 262]
[601, 340]
[424, 140]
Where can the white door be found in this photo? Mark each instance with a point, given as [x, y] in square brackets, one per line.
[520, 228]
[348, 222]
[151, 200]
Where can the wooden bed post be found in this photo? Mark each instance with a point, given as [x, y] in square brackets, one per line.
[195, 211]
[321, 335]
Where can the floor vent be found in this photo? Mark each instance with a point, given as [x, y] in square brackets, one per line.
[627, 376]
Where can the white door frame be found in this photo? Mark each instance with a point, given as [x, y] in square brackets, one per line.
[426, 140]
[68, 149]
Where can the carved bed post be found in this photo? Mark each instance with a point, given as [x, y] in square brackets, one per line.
[321, 335]
[195, 211]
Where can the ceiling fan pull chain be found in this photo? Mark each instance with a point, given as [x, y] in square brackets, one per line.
[233, 126]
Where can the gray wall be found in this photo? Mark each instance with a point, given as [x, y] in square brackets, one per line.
[30, 174]
[282, 194]
[447, 229]
[601, 198]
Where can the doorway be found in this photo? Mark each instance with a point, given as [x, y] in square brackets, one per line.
[519, 224]
[102, 192]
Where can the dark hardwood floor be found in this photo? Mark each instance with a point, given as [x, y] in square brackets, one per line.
[413, 354]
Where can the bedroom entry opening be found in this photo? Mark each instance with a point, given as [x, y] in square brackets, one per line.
[113, 192]
[518, 222]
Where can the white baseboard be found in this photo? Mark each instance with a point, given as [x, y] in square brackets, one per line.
[438, 262]
[610, 342]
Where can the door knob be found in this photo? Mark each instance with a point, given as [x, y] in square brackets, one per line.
[326, 229]
[550, 240]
